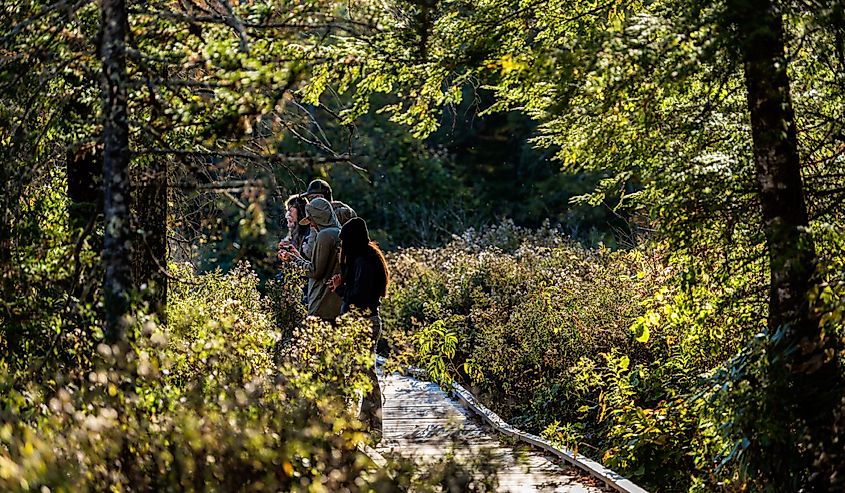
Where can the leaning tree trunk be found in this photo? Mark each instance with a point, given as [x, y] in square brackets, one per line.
[785, 219]
[797, 371]
[116, 187]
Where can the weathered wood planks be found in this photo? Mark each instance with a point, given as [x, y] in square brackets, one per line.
[423, 422]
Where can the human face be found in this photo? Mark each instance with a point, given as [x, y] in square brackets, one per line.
[292, 217]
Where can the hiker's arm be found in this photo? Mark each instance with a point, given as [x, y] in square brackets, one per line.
[308, 244]
[324, 249]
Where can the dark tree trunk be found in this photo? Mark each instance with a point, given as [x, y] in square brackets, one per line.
[798, 376]
[116, 187]
[791, 250]
[84, 183]
[5, 223]
[150, 239]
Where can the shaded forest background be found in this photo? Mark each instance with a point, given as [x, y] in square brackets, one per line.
[474, 171]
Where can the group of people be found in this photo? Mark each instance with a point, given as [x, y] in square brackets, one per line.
[346, 270]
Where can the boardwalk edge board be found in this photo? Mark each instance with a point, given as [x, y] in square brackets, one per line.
[365, 449]
[373, 454]
[593, 468]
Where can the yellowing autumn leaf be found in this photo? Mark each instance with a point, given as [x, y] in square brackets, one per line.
[509, 64]
[643, 337]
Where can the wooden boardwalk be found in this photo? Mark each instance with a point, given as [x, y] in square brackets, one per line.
[423, 422]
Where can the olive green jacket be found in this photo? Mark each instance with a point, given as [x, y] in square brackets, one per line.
[324, 261]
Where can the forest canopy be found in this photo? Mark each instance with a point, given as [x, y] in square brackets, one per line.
[660, 185]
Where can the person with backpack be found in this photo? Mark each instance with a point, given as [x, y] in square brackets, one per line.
[362, 282]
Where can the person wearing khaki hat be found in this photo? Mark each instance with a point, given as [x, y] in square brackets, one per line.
[323, 261]
[321, 189]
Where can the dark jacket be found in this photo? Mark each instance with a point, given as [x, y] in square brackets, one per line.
[363, 284]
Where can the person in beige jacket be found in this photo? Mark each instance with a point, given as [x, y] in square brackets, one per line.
[323, 262]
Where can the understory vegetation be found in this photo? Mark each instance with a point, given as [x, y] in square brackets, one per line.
[221, 398]
[195, 405]
[631, 357]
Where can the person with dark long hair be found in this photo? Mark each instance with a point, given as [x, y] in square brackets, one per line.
[297, 234]
[362, 282]
[294, 212]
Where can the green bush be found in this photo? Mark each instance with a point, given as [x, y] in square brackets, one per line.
[518, 304]
[620, 355]
[199, 404]
[216, 400]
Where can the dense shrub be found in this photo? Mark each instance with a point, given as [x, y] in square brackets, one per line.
[199, 404]
[616, 354]
[219, 399]
[519, 305]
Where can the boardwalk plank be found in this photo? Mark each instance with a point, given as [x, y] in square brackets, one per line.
[423, 422]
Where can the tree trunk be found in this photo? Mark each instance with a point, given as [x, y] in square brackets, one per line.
[84, 183]
[797, 373]
[791, 250]
[5, 223]
[150, 239]
[116, 187]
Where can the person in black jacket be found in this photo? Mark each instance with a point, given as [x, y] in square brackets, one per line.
[362, 283]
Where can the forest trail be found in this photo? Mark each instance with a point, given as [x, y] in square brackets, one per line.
[423, 422]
